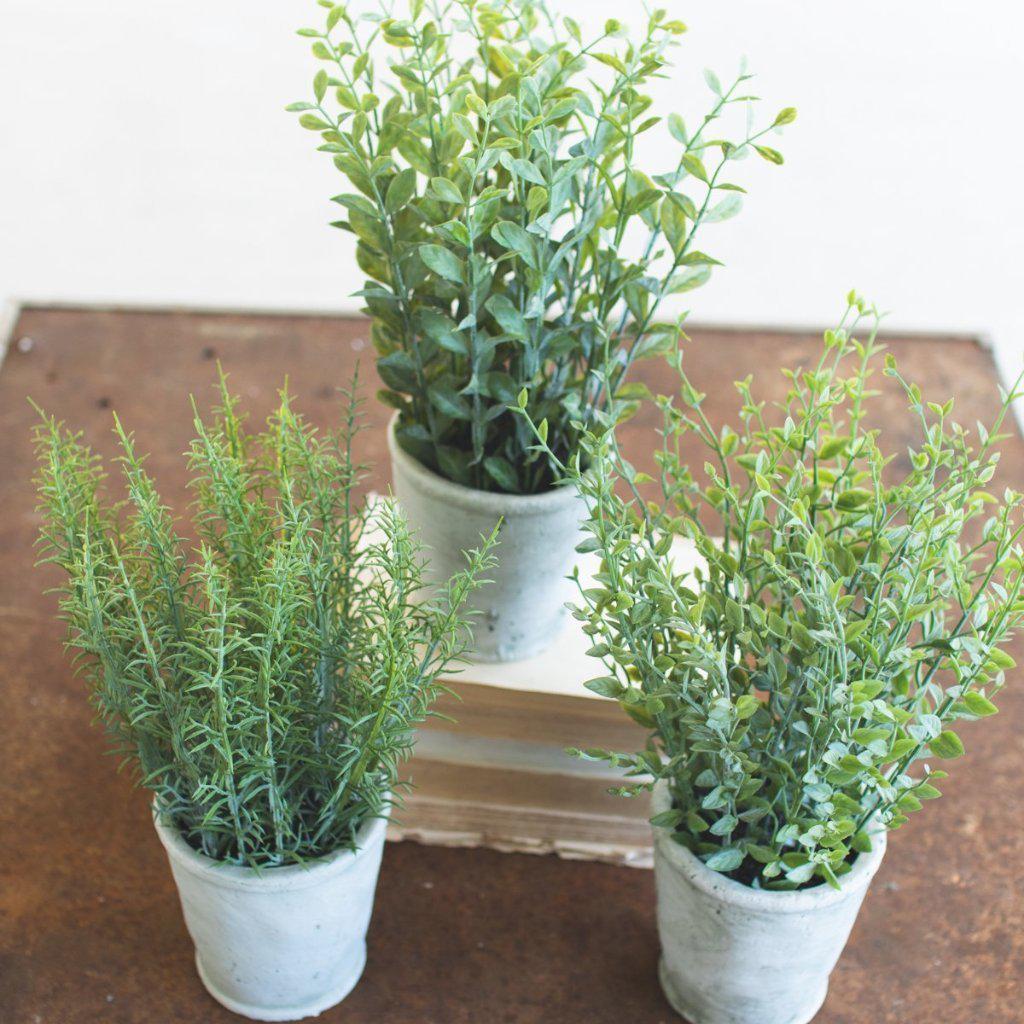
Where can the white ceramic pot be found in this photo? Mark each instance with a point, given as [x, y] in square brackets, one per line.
[522, 609]
[283, 943]
[731, 954]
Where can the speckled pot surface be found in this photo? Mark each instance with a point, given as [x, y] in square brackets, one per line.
[731, 954]
[522, 609]
[283, 943]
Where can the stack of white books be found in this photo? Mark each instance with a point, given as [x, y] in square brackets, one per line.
[499, 776]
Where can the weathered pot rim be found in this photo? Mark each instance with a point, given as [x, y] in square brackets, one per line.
[728, 890]
[496, 503]
[289, 878]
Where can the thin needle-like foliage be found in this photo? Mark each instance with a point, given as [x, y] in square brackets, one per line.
[511, 232]
[264, 686]
[800, 686]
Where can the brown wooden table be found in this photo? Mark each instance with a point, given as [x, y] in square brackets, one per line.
[90, 929]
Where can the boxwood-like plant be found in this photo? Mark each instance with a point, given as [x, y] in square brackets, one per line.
[510, 237]
[852, 608]
[266, 687]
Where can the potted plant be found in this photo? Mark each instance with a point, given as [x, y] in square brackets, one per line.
[511, 241]
[264, 690]
[801, 686]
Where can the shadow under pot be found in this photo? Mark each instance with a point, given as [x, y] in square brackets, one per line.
[285, 942]
[521, 611]
[731, 954]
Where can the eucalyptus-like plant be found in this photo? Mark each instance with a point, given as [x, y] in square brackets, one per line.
[266, 688]
[852, 606]
[510, 237]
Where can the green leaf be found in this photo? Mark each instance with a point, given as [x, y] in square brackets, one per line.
[687, 280]
[694, 165]
[667, 819]
[313, 123]
[853, 629]
[439, 328]
[900, 748]
[400, 191]
[978, 704]
[773, 156]
[524, 169]
[728, 859]
[733, 615]
[450, 402]
[673, 224]
[612, 61]
[713, 800]
[515, 239]
[724, 826]
[832, 447]
[801, 873]
[536, 200]
[728, 207]
[659, 341]
[443, 262]
[446, 190]
[861, 842]
[868, 735]
[501, 472]
[509, 318]
[785, 116]
[320, 85]
[398, 372]
[1000, 659]
[699, 258]
[946, 745]
[854, 498]
[605, 686]
[867, 689]
[747, 705]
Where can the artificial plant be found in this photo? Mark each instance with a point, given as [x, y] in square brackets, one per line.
[852, 606]
[265, 685]
[509, 236]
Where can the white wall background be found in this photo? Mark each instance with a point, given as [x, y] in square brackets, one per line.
[146, 158]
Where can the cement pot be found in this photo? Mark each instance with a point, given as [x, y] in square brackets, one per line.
[286, 942]
[731, 954]
[521, 611]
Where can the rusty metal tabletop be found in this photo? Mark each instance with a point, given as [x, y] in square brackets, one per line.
[90, 929]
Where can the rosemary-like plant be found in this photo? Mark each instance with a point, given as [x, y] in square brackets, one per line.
[266, 688]
[800, 686]
[510, 237]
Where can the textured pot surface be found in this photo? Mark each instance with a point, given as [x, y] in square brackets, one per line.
[285, 943]
[522, 609]
[731, 954]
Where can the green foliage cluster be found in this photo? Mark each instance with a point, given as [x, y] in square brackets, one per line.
[852, 606]
[510, 239]
[266, 688]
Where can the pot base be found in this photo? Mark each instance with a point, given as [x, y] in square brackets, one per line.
[493, 645]
[688, 1013]
[279, 1013]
